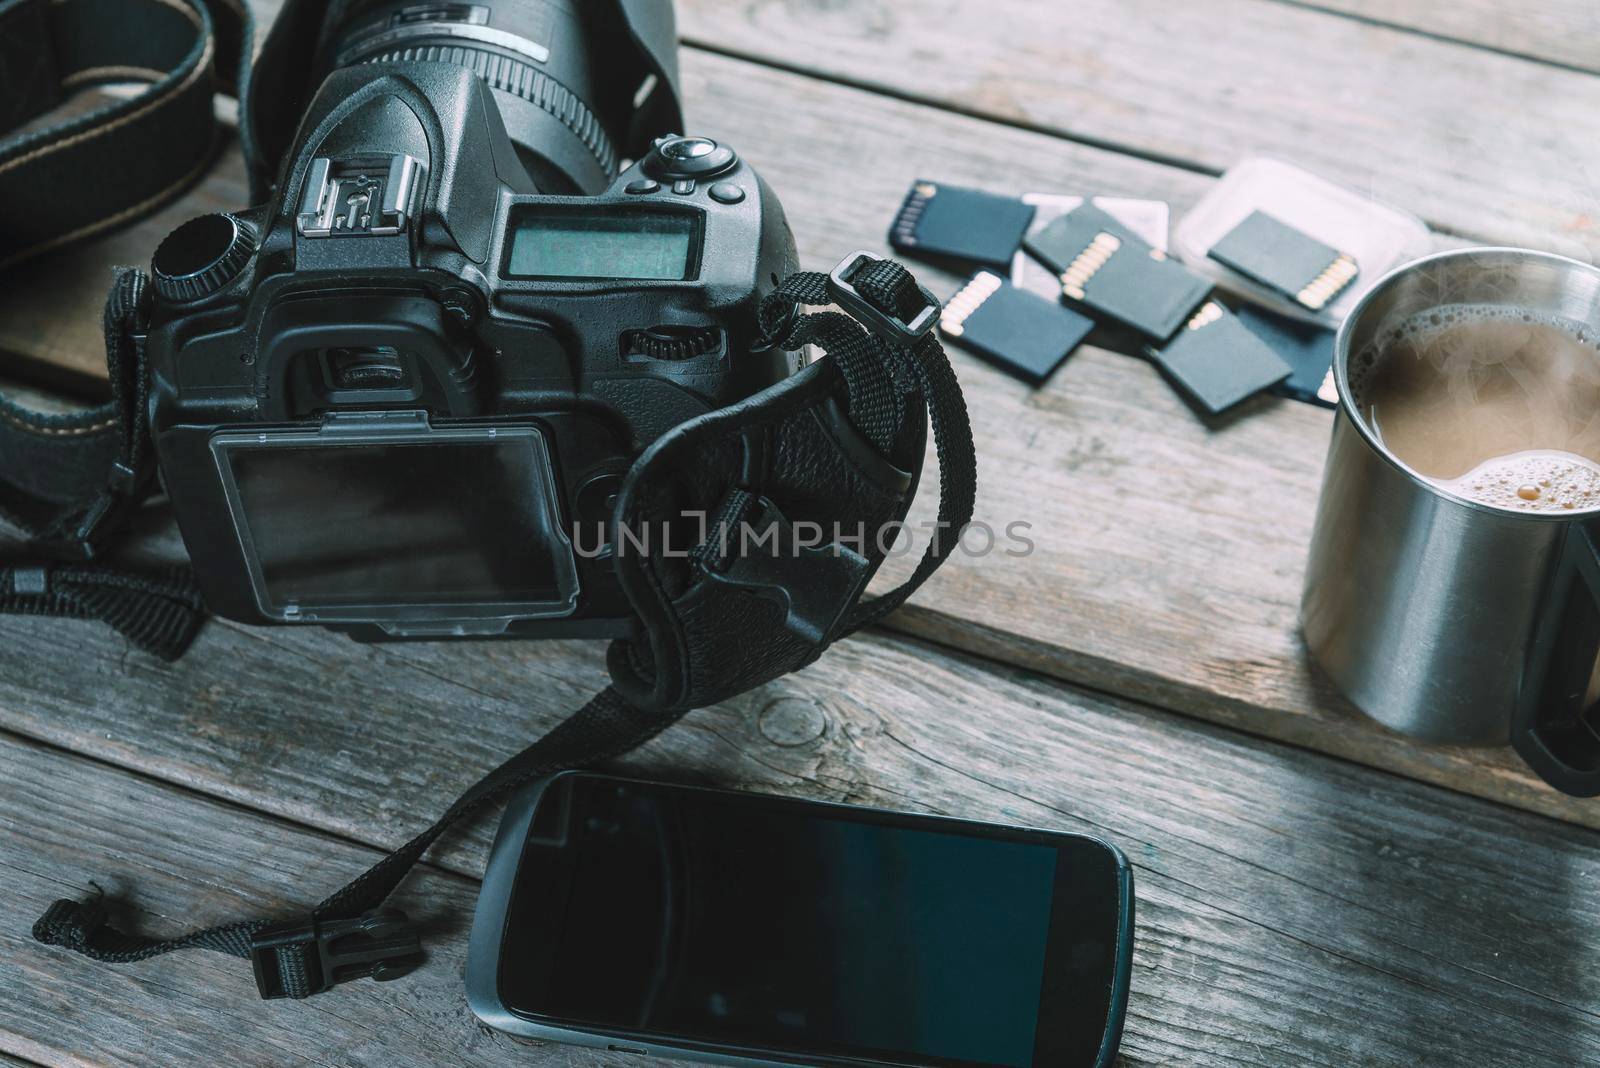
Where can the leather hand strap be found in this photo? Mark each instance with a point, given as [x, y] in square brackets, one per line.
[810, 478]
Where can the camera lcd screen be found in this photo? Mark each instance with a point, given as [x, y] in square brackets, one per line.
[724, 919]
[400, 524]
[601, 243]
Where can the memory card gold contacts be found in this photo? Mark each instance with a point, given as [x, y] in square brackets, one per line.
[947, 222]
[1272, 253]
[1022, 333]
[1107, 269]
[1147, 219]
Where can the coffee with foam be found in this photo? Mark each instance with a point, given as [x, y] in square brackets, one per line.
[1534, 481]
[1493, 404]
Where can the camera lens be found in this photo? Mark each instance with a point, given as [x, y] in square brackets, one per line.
[540, 58]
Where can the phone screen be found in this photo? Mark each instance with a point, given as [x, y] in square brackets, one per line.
[721, 919]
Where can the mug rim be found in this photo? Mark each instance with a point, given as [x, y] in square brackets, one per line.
[1341, 374]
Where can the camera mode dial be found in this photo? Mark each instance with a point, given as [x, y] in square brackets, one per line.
[201, 256]
[688, 157]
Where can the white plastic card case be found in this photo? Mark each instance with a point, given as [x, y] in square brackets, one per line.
[1378, 236]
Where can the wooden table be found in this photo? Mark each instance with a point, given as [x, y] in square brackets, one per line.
[1312, 889]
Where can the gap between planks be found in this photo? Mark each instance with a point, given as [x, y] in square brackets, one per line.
[1560, 33]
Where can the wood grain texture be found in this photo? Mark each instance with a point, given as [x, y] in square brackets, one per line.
[1554, 31]
[1283, 896]
[1168, 552]
[176, 857]
[1440, 128]
[1293, 909]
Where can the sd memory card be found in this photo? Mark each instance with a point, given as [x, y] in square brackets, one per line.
[1306, 347]
[946, 221]
[1104, 267]
[1217, 363]
[1275, 254]
[1026, 335]
[1146, 218]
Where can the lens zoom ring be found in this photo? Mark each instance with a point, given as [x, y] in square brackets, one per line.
[519, 79]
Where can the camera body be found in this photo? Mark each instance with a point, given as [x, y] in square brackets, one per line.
[401, 398]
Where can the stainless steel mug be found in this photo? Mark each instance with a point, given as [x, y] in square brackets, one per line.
[1438, 616]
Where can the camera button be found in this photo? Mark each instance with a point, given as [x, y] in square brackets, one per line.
[687, 148]
[202, 256]
[726, 193]
[642, 186]
[688, 157]
[683, 186]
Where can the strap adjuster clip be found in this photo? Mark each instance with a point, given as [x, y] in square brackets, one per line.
[30, 581]
[381, 944]
[841, 287]
[817, 583]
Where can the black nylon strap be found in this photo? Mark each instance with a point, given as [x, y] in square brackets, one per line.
[64, 473]
[66, 181]
[878, 376]
[604, 728]
[72, 480]
[158, 611]
[70, 483]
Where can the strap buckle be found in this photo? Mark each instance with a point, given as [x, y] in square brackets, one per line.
[816, 583]
[841, 287]
[298, 960]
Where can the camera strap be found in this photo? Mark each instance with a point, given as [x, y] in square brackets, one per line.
[795, 490]
[65, 181]
[71, 482]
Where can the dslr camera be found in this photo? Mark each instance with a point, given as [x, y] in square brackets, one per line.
[399, 398]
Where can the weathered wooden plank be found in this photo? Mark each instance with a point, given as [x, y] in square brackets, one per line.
[67, 821]
[1444, 129]
[1555, 31]
[1168, 553]
[1283, 896]
[1166, 564]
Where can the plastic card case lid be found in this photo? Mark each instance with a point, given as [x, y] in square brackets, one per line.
[1378, 236]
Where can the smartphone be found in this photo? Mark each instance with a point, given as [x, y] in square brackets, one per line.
[736, 928]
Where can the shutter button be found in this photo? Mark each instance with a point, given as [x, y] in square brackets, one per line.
[726, 193]
[675, 158]
[688, 148]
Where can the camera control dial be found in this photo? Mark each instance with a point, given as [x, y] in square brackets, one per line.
[201, 256]
[688, 158]
[673, 342]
